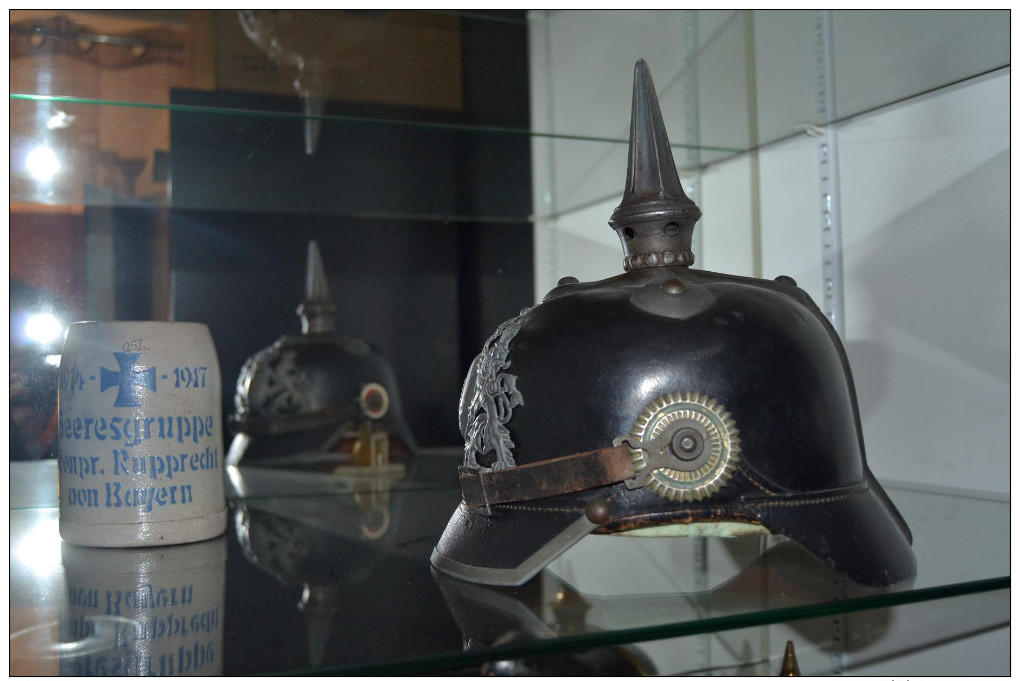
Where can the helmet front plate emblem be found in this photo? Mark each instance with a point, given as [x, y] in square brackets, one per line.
[685, 446]
[488, 400]
[283, 388]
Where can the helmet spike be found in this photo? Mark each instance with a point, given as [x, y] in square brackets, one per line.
[317, 310]
[656, 218]
[790, 666]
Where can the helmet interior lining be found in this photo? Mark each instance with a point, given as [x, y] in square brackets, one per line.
[716, 528]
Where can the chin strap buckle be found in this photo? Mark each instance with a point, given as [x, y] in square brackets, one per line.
[648, 458]
[678, 447]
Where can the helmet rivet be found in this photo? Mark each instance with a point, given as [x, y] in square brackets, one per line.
[597, 512]
[687, 444]
[673, 287]
[652, 259]
[668, 258]
[566, 280]
[784, 279]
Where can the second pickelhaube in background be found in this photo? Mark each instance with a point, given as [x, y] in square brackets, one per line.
[318, 401]
[665, 401]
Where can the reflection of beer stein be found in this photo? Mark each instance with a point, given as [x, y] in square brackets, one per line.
[143, 612]
[140, 436]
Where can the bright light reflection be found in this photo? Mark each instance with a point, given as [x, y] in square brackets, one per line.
[42, 163]
[649, 384]
[236, 479]
[43, 328]
[52, 360]
[59, 121]
[39, 549]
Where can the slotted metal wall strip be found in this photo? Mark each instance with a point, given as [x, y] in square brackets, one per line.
[828, 173]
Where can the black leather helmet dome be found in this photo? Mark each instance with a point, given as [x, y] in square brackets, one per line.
[665, 401]
[316, 397]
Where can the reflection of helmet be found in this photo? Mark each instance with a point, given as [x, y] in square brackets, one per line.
[665, 401]
[313, 397]
[338, 539]
[745, 578]
[492, 619]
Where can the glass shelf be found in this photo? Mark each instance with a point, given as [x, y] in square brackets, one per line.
[341, 119]
[338, 565]
[81, 167]
[732, 79]
[418, 87]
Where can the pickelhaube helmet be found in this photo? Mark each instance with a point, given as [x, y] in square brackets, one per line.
[665, 401]
[317, 400]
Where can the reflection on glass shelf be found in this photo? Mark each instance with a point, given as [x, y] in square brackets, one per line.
[135, 612]
[737, 79]
[52, 167]
[61, 151]
[312, 576]
[230, 110]
[93, 103]
[91, 92]
[879, 57]
[885, 56]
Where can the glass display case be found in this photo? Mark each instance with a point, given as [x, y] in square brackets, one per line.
[330, 573]
[174, 164]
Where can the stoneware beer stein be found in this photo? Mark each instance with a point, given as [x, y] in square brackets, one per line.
[140, 438]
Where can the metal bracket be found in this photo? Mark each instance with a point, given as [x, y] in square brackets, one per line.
[656, 454]
[828, 173]
[692, 128]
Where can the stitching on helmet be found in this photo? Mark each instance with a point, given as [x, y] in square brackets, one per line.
[756, 483]
[530, 508]
[804, 502]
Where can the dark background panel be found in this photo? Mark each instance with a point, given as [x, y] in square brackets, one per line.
[395, 284]
[257, 162]
[427, 295]
[245, 151]
[422, 218]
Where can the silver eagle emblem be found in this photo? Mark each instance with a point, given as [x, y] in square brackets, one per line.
[488, 400]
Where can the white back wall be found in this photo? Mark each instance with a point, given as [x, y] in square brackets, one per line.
[923, 188]
[926, 260]
[924, 194]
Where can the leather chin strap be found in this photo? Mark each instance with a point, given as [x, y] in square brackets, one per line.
[483, 487]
